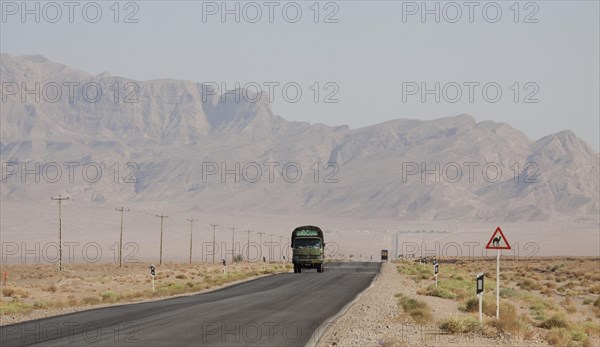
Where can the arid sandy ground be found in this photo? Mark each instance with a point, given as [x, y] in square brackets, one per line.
[35, 291]
[544, 301]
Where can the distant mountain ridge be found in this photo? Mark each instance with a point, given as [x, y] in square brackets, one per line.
[174, 133]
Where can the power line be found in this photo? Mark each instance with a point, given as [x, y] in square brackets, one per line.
[162, 217]
[60, 200]
[122, 210]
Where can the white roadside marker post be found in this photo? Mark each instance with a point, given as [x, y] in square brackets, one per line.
[498, 285]
[435, 272]
[479, 291]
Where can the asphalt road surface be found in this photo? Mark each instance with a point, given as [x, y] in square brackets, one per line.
[279, 310]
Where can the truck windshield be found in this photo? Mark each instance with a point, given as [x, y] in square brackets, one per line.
[307, 243]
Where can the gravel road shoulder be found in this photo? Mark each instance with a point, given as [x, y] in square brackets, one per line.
[377, 319]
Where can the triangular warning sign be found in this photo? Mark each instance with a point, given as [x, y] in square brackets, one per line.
[498, 241]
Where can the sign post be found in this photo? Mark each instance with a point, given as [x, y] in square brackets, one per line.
[480, 295]
[498, 285]
[152, 273]
[499, 242]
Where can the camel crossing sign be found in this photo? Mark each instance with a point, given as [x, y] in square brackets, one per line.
[498, 241]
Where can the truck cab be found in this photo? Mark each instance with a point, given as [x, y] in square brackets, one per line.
[308, 248]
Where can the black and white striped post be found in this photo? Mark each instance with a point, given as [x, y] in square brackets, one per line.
[152, 273]
[480, 295]
[436, 269]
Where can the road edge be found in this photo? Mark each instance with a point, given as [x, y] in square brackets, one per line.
[100, 306]
[326, 325]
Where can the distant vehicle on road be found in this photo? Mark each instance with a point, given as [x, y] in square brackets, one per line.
[384, 255]
[308, 248]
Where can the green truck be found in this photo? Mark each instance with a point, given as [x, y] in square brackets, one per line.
[308, 248]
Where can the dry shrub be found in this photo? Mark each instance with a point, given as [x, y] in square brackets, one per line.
[418, 310]
[556, 321]
[595, 289]
[437, 292]
[508, 321]
[529, 284]
[90, 300]
[559, 337]
[488, 306]
[8, 291]
[15, 292]
[460, 325]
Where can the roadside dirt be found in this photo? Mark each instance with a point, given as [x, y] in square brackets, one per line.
[37, 291]
[378, 319]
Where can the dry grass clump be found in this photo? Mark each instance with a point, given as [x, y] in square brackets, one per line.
[418, 310]
[439, 292]
[12, 307]
[460, 325]
[569, 305]
[596, 307]
[15, 292]
[556, 321]
[567, 337]
[90, 300]
[595, 289]
[558, 337]
[488, 305]
[529, 284]
[508, 321]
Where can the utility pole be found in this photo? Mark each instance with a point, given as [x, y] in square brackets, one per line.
[248, 246]
[232, 244]
[59, 199]
[122, 210]
[280, 248]
[260, 234]
[214, 243]
[162, 217]
[191, 220]
[271, 258]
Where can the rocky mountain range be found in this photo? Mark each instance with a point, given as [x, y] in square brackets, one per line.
[183, 143]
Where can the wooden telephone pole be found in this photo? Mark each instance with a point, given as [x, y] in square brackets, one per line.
[248, 246]
[60, 200]
[214, 243]
[232, 244]
[260, 234]
[162, 217]
[122, 210]
[191, 220]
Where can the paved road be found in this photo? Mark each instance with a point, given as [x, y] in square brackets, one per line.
[279, 310]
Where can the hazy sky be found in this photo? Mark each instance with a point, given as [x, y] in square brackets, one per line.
[373, 57]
